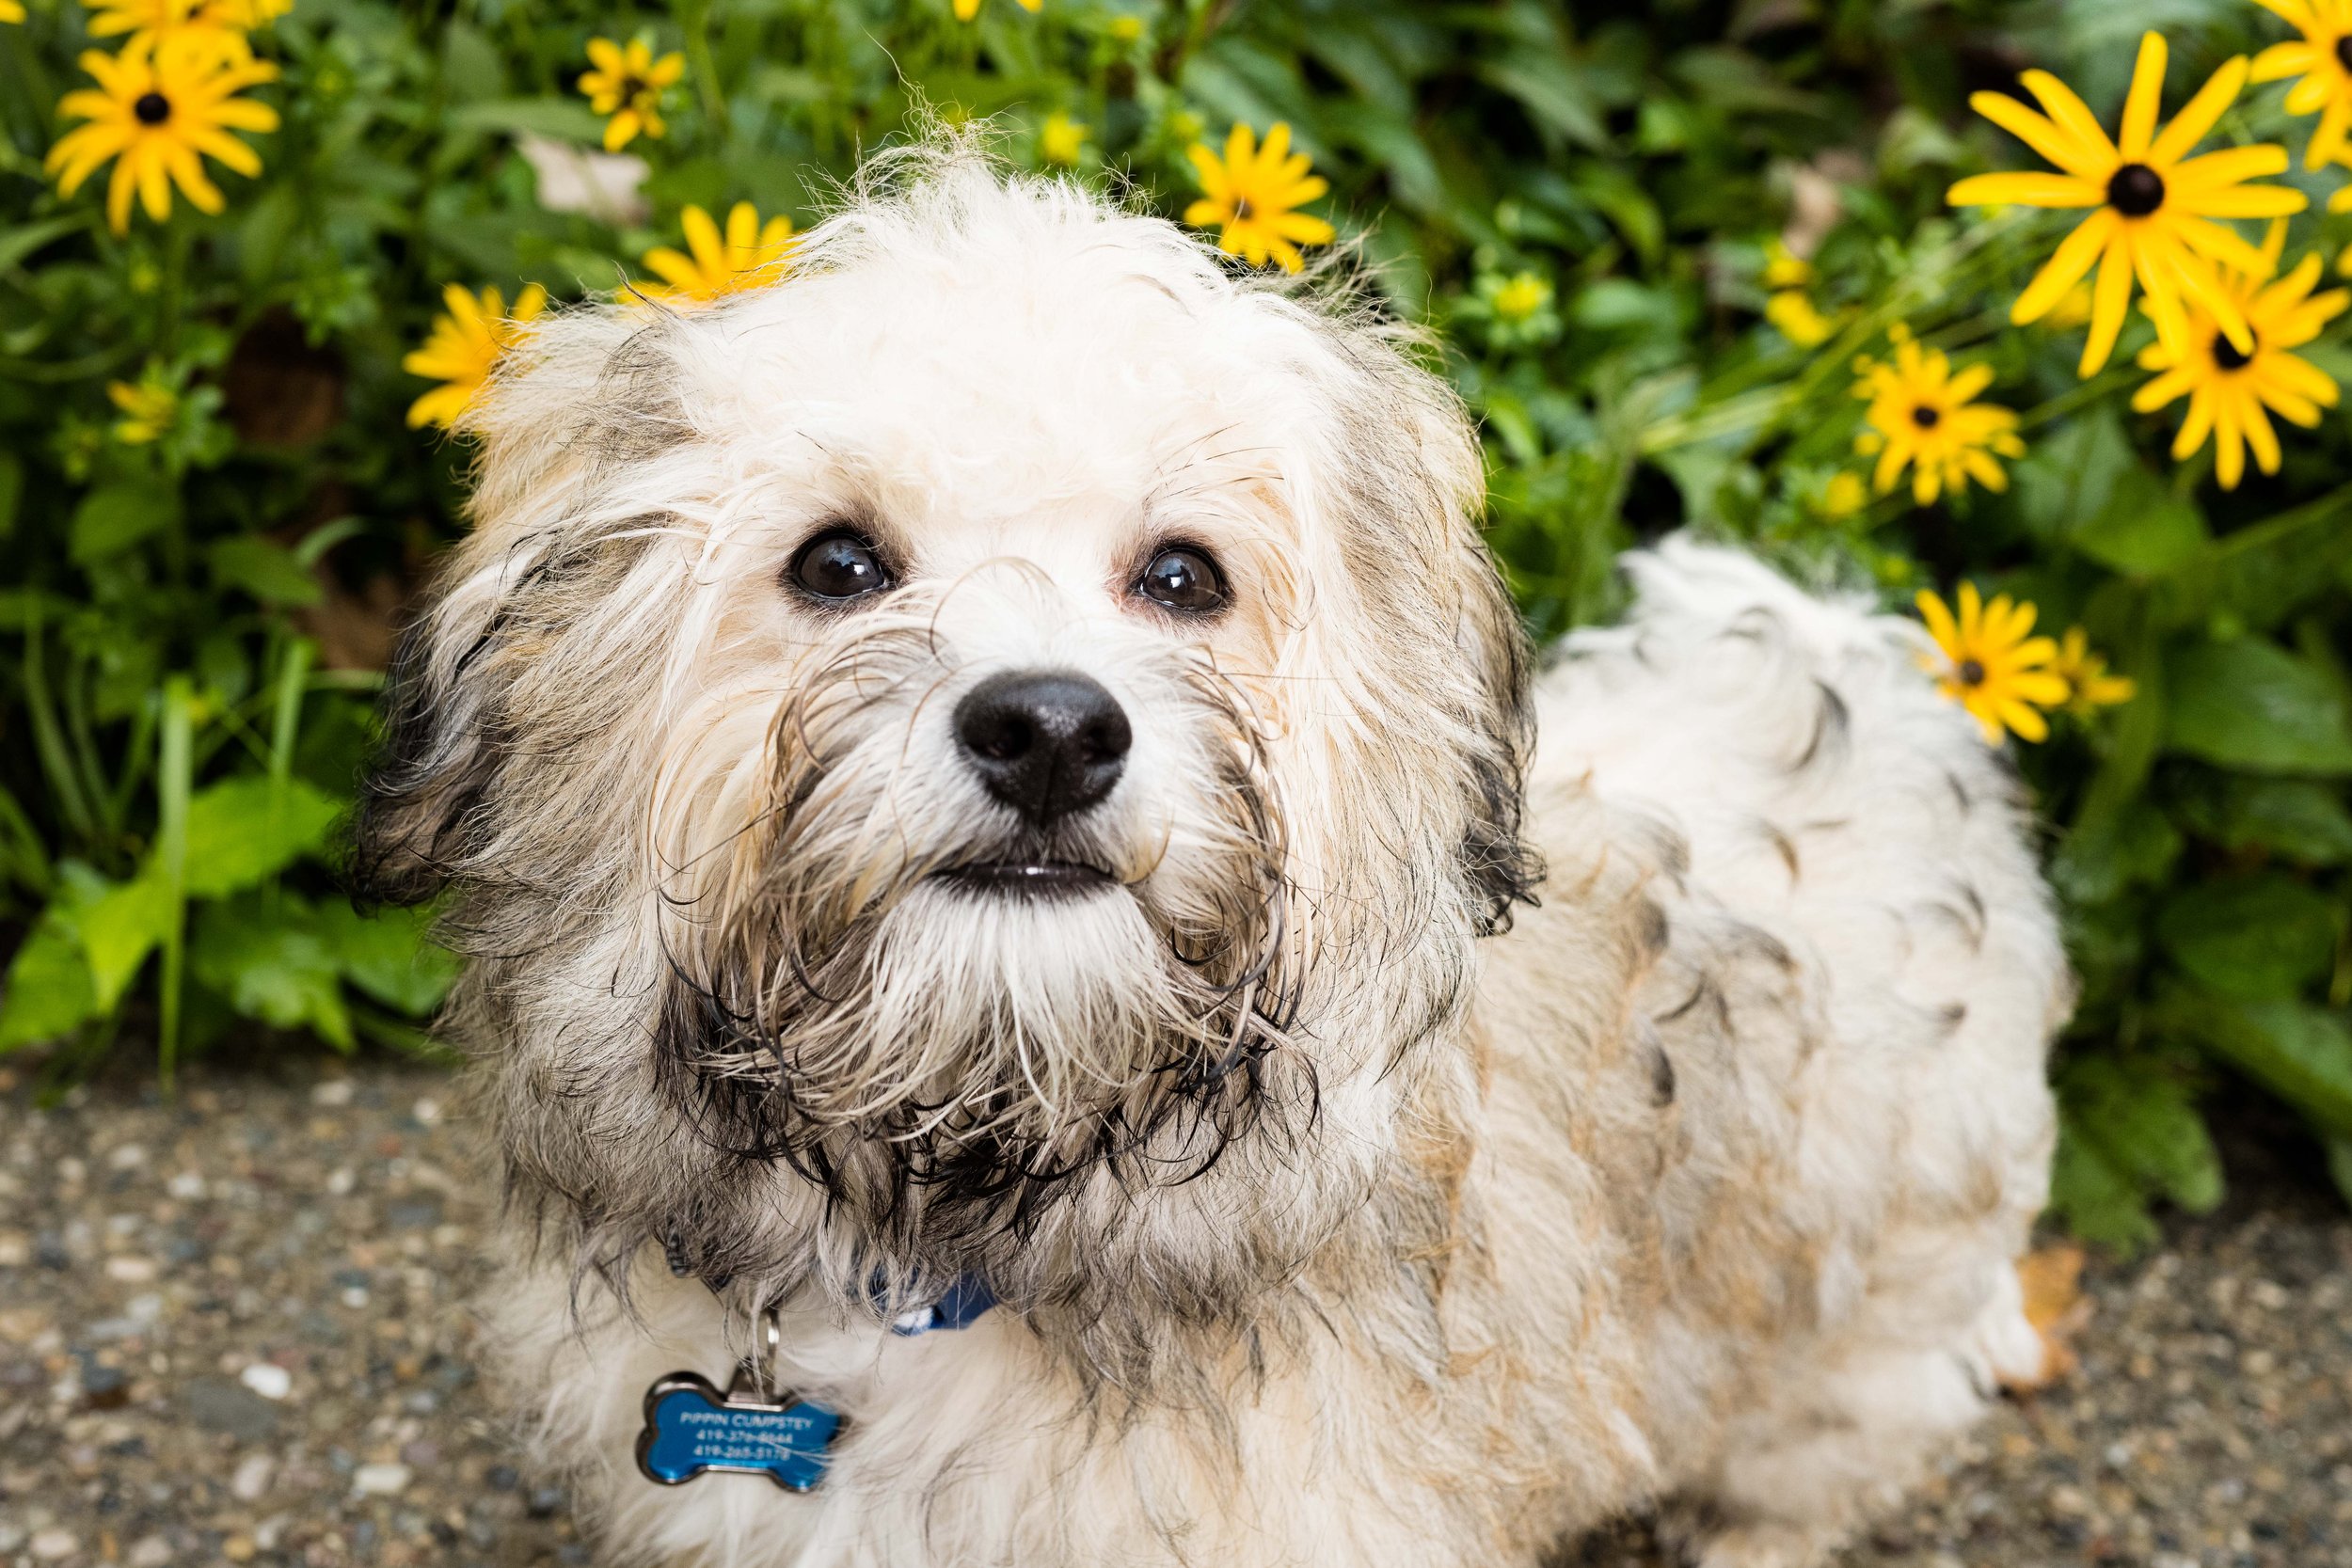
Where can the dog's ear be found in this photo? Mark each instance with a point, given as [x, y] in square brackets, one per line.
[1416, 493]
[1503, 871]
[583, 391]
[424, 794]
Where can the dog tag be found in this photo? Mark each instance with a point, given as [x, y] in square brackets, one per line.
[692, 1427]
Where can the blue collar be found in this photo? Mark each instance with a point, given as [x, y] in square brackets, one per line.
[692, 1427]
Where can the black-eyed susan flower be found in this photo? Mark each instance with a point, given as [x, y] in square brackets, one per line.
[226, 22]
[150, 407]
[1252, 196]
[1925, 417]
[1061, 140]
[2322, 58]
[462, 348]
[748, 254]
[628, 84]
[2154, 205]
[2231, 391]
[967, 9]
[160, 108]
[1988, 663]
[2088, 687]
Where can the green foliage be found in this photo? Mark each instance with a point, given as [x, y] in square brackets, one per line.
[1576, 198]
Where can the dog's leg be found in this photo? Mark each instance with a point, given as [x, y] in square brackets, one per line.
[1851, 1429]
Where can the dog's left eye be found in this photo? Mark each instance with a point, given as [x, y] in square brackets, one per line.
[1184, 578]
[839, 565]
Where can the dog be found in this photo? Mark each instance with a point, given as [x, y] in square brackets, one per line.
[990, 783]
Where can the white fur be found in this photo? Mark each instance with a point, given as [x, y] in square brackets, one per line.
[1698, 1187]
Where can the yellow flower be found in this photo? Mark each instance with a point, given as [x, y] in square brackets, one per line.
[11, 11]
[1126, 29]
[2154, 209]
[1061, 140]
[1797, 319]
[627, 84]
[150, 409]
[159, 104]
[464, 346]
[1990, 666]
[1784, 268]
[1924, 416]
[2088, 687]
[1521, 296]
[225, 22]
[2071, 311]
[1252, 191]
[1844, 496]
[750, 254]
[967, 9]
[2323, 57]
[2228, 388]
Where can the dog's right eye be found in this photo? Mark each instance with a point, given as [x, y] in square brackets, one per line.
[840, 564]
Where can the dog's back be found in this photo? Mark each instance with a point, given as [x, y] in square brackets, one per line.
[1842, 972]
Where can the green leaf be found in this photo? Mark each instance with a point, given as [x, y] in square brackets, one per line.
[243, 832]
[49, 988]
[391, 955]
[2301, 1053]
[272, 964]
[2144, 1116]
[2300, 819]
[2145, 529]
[22, 241]
[565, 118]
[114, 518]
[263, 568]
[2251, 704]
[11, 490]
[119, 929]
[2266, 936]
[2095, 1201]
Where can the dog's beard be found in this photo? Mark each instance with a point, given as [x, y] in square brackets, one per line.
[948, 1062]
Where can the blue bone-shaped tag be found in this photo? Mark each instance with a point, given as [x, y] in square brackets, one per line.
[692, 1427]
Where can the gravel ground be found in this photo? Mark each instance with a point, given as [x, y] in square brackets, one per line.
[235, 1328]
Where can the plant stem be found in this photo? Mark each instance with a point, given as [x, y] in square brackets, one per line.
[173, 784]
[693, 17]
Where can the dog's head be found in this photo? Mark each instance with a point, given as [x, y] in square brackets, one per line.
[990, 754]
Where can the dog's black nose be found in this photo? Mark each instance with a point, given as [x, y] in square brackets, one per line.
[1045, 742]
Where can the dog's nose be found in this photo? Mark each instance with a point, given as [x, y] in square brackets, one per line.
[1045, 742]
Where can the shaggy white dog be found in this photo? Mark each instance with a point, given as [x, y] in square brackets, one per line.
[997, 768]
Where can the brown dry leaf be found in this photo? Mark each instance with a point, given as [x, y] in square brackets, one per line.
[2056, 1307]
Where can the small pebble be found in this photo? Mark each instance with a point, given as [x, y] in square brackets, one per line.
[267, 1379]
[54, 1545]
[380, 1480]
[252, 1478]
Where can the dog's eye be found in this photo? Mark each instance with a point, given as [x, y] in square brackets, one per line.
[839, 565]
[1183, 577]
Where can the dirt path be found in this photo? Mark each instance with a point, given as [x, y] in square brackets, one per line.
[234, 1329]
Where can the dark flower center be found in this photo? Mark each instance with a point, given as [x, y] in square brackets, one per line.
[632, 88]
[1971, 672]
[2227, 354]
[152, 108]
[2344, 51]
[1241, 208]
[2135, 190]
[1926, 418]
